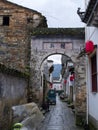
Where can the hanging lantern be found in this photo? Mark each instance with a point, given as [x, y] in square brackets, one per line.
[71, 77]
[51, 85]
[65, 81]
[89, 47]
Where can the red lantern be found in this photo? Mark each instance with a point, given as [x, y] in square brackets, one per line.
[89, 47]
[71, 77]
[65, 81]
[51, 85]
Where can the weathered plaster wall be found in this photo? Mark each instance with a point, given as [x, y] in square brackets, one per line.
[13, 91]
[39, 54]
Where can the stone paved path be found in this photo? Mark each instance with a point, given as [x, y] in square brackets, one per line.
[60, 117]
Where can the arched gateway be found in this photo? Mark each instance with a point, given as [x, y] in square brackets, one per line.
[68, 41]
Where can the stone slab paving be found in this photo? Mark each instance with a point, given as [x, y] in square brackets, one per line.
[60, 117]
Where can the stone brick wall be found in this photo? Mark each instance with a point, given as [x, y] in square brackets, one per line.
[16, 23]
[80, 88]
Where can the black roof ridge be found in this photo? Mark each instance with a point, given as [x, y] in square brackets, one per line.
[58, 31]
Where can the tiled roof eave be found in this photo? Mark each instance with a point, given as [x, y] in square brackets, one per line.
[58, 31]
[89, 10]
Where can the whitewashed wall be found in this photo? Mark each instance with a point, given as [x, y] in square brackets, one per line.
[92, 34]
[57, 86]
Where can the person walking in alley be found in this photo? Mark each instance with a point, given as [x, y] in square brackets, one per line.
[47, 103]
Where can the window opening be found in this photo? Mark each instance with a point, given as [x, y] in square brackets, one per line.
[94, 73]
[6, 20]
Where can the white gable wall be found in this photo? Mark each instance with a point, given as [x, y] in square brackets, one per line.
[92, 34]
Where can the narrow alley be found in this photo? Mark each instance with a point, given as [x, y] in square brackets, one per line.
[48, 47]
[60, 117]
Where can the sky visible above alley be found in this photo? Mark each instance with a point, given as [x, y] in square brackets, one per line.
[59, 13]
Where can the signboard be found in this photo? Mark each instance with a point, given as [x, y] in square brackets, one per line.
[57, 45]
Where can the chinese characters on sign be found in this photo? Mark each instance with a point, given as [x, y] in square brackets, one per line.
[57, 45]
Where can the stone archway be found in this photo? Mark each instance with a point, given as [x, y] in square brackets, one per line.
[42, 46]
[37, 60]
